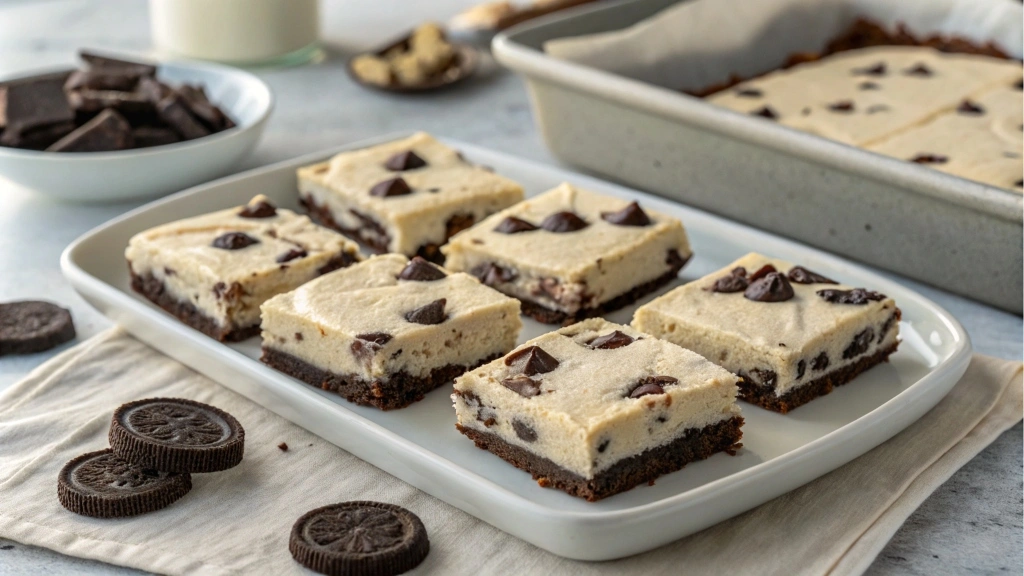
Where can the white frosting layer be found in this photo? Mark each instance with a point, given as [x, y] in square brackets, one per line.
[589, 266]
[742, 335]
[182, 256]
[319, 322]
[583, 419]
[447, 186]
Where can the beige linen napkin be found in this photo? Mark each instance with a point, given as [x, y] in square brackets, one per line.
[237, 522]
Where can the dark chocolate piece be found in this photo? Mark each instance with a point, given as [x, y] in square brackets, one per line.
[524, 431]
[731, 283]
[861, 343]
[33, 103]
[631, 215]
[201, 107]
[177, 435]
[760, 272]
[103, 485]
[106, 132]
[765, 112]
[802, 275]
[749, 93]
[513, 225]
[560, 222]
[820, 362]
[869, 86]
[90, 101]
[152, 89]
[101, 79]
[841, 106]
[403, 161]
[651, 385]
[970, 108]
[419, 270]
[30, 326]
[523, 385]
[531, 360]
[175, 113]
[234, 241]
[918, 70]
[616, 339]
[429, 314]
[392, 187]
[36, 138]
[491, 274]
[283, 446]
[293, 254]
[774, 287]
[876, 70]
[99, 61]
[259, 209]
[359, 539]
[149, 136]
[856, 296]
[929, 159]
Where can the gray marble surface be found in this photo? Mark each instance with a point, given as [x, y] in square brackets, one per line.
[972, 524]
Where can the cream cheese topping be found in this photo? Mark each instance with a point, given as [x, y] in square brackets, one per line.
[583, 419]
[447, 186]
[320, 321]
[591, 265]
[181, 254]
[742, 335]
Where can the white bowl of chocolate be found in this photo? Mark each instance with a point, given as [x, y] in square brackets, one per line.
[124, 129]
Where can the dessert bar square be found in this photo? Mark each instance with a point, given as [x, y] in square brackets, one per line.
[388, 330]
[791, 334]
[406, 197]
[570, 254]
[214, 271]
[596, 408]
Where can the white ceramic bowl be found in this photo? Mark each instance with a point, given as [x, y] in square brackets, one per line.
[151, 172]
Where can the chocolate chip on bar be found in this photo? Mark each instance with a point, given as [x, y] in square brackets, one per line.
[234, 241]
[631, 215]
[392, 187]
[531, 360]
[856, 296]
[523, 385]
[560, 222]
[419, 270]
[428, 314]
[513, 225]
[802, 275]
[402, 161]
[773, 287]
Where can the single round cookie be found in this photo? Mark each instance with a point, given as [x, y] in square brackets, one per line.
[103, 485]
[32, 326]
[359, 539]
[177, 435]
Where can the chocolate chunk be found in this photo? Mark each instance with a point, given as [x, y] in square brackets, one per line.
[760, 377]
[491, 274]
[36, 138]
[429, 314]
[841, 106]
[802, 275]
[234, 241]
[1020, 84]
[258, 209]
[855, 296]
[970, 108]
[176, 435]
[651, 385]
[102, 79]
[366, 345]
[524, 431]
[674, 259]
[392, 187]
[283, 446]
[292, 254]
[631, 215]
[772, 288]
[765, 112]
[402, 161]
[929, 159]
[419, 270]
[760, 272]
[861, 343]
[89, 101]
[918, 70]
[749, 93]
[875, 108]
[886, 326]
[869, 86]
[603, 445]
[149, 136]
[531, 360]
[152, 89]
[30, 326]
[124, 66]
[820, 362]
[103, 485]
[174, 112]
[378, 338]
[616, 339]
[106, 132]
[563, 222]
[523, 385]
[33, 103]
[513, 225]
[801, 367]
[359, 539]
[729, 284]
[201, 107]
[876, 70]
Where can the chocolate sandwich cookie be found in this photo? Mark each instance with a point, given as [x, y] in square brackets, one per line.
[177, 435]
[103, 485]
[356, 538]
[32, 326]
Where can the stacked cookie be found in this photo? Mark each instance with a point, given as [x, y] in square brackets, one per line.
[155, 444]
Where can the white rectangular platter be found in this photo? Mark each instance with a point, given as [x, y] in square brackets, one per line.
[420, 445]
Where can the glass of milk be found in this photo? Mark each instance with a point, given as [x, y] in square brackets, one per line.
[239, 32]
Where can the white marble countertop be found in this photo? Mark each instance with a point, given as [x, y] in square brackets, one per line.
[972, 524]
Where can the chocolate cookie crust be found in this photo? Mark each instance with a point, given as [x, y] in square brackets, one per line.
[156, 292]
[764, 396]
[398, 391]
[695, 444]
[546, 315]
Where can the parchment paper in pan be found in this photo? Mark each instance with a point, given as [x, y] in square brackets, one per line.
[703, 42]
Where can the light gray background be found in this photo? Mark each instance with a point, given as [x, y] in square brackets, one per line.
[972, 524]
